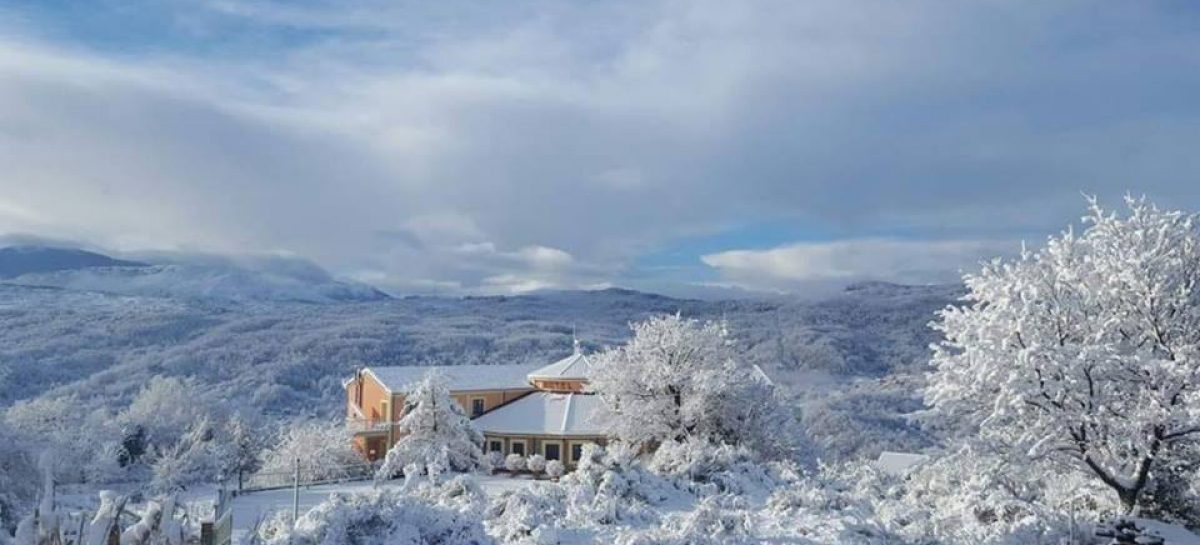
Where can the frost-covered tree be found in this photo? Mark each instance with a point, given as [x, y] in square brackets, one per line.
[1086, 351]
[435, 433]
[18, 480]
[245, 443]
[323, 449]
[681, 378]
[198, 457]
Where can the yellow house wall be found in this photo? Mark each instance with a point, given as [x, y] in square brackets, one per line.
[535, 444]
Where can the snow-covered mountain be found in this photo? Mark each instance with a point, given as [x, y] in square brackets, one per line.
[854, 357]
[20, 260]
[207, 278]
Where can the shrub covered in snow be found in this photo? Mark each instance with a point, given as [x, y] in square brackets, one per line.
[461, 493]
[715, 468]
[514, 463]
[611, 485]
[495, 460]
[555, 469]
[536, 464]
[710, 523]
[378, 517]
[528, 514]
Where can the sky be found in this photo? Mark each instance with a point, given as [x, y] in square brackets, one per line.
[679, 146]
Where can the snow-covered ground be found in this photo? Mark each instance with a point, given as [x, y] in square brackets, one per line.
[249, 508]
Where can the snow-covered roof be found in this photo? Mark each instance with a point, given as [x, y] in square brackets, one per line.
[546, 413]
[577, 366]
[458, 377]
[898, 463]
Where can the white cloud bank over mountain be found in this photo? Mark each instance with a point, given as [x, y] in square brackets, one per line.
[814, 264]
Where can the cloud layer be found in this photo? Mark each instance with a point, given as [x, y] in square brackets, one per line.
[807, 265]
[444, 147]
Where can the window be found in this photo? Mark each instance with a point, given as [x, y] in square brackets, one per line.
[476, 406]
[495, 446]
[552, 451]
[517, 447]
[576, 451]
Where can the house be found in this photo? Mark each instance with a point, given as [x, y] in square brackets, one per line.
[520, 409]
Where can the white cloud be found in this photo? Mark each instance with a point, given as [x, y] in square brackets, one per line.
[464, 148]
[807, 264]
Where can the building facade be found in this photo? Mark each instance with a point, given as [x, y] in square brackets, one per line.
[520, 409]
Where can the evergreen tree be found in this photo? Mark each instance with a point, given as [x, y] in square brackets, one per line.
[435, 434]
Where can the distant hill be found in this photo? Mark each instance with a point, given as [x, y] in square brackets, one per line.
[209, 278]
[857, 358]
[19, 260]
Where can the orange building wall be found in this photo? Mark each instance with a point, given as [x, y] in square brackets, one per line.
[491, 398]
[574, 386]
[373, 396]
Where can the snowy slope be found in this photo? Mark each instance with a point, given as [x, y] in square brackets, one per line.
[224, 283]
[18, 260]
[856, 358]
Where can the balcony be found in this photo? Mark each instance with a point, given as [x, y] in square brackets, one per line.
[362, 426]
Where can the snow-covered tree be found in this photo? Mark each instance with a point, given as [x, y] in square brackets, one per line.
[555, 469]
[322, 447]
[244, 445]
[1086, 351]
[680, 378]
[196, 457]
[434, 432]
[18, 480]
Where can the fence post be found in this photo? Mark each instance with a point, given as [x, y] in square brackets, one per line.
[296, 494]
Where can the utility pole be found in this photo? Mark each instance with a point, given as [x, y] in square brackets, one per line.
[296, 495]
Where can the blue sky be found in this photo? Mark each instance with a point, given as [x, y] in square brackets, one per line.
[680, 145]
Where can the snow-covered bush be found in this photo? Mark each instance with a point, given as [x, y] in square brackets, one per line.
[322, 447]
[710, 523]
[987, 495]
[555, 469]
[610, 486]
[496, 460]
[514, 463]
[528, 514]
[1085, 351]
[536, 464]
[461, 493]
[724, 468]
[435, 434]
[378, 517]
